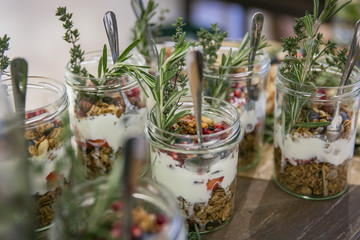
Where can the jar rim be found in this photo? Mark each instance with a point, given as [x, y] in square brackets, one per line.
[60, 103]
[235, 136]
[92, 57]
[262, 61]
[348, 90]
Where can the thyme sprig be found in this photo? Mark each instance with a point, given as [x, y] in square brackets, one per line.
[299, 67]
[72, 36]
[211, 42]
[4, 60]
[169, 85]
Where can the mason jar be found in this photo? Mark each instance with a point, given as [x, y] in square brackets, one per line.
[155, 214]
[45, 109]
[313, 146]
[201, 176]
[99, 117]
[16, 218]
[230, 84]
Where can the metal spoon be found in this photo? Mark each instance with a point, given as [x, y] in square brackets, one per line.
[334, 130]
[19, 69]
[112, 35]
[195, 69]
[133, 156]
[138, 7]
[256, 28]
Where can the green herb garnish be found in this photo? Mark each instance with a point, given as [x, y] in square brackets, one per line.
[211, 42]
[169, 85]
[4, 60]
[72, 36]
[299, 68]
[144, 25]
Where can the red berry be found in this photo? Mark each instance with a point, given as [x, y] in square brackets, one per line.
[136, 231]
[237, 93]
[218, 125]
[117, 206]
[160, 219]
[206, 130]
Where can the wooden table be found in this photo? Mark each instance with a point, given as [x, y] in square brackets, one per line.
[263, 211]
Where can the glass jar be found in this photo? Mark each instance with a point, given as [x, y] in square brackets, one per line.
[16, 218]
[231, 85]
[155, 214]
[97, 114]
[312, 159]
[46, 107]
[201, 176]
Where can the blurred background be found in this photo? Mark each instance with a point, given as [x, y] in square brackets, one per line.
[36, 33]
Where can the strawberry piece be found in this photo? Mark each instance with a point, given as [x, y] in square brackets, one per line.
[97, 143]
[214, 183]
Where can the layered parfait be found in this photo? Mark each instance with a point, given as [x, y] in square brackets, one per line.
[107, 105]
[230, 76]
[315, 116]
[203, 182]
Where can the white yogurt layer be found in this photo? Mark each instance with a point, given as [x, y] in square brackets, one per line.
[109, 128]
[300, 148]
[42, 166]
[188, 184]
[249, 118]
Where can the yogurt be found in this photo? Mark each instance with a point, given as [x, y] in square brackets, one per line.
[249, 118]
[191, 184]
[300, 148]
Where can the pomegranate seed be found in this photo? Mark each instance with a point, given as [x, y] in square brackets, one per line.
[174, 155]
[237, 93]
[117, 206]
[206, 130]
[136, 231]
[218, 125]
[160, 219]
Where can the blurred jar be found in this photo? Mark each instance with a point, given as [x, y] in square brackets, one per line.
[155, 214]
[16, 218]
[97, 114]
[46, 105]
[230, 84]
[311, 160]
[202, 177]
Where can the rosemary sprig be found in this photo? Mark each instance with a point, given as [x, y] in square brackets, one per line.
[299, 68]
[4, 60]
[169, 85]
[72, 36]
[211, 42]
[144, 24]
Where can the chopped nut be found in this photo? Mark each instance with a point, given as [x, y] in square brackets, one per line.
[30, 135]
[43, 147]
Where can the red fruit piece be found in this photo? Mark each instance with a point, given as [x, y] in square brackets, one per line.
[237, 93]
[321, 91]
[53, 179]
[34, 113]
[213, 183]
[117, 206]
[218, 125]
[206, 130]
[160, 219]
[97, 143]
[136, 232]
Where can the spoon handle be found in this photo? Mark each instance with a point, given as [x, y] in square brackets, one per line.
[195, 68]
[19, 70]
[353, 56]
[255, 35]
[133, 156]
[112, 33]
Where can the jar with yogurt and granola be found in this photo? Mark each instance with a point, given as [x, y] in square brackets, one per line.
[201, 176]
[98, 114]
[45, 110]
[231, 85]
[312, 159]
